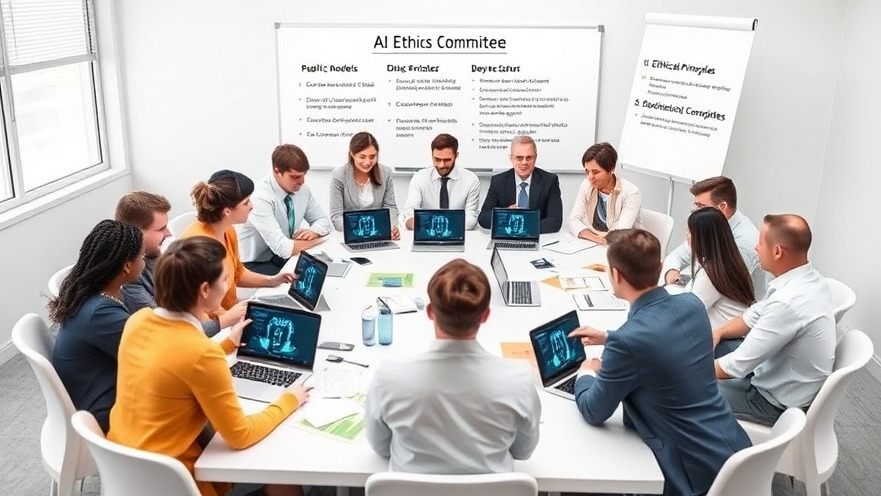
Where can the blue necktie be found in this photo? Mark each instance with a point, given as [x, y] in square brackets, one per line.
[523, 197]
[289, 204]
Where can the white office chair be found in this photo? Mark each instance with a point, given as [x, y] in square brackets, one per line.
[403, 484]
[56, 279]
[813, 455]
[843, 298]
[64, 456]
[661, 225]
[751, 470]
[177, 225]
[131, 472]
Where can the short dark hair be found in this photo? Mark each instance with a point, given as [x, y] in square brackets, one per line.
[721, 190]
[225, 189]
[636, 254]
[604, 154]
[137, 208]
[289, 157]
[444, 140]
[459, 293]
[182, 269]
[362, 141]
[790, 231]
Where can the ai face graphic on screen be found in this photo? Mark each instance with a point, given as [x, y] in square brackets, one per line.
[440, 225]
[557, 351]
[515, 224]
[367, 226]
[310, 279]
[278, 334]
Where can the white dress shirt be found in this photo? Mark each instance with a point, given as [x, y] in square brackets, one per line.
[463, 187]
[266, 231]
[791, 342]
[746, 236]
[622, 211]
[454, 409]
[720, 308]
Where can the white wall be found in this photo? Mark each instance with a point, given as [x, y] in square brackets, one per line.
[846, 228]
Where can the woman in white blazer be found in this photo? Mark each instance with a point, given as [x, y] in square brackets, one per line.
[605, 202]
[362, 183]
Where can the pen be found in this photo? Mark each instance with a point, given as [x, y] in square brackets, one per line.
[549, 244]
[356, 363]
[587, 299]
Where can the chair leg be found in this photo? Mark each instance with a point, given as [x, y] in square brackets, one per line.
[824, 489]
[53, 488]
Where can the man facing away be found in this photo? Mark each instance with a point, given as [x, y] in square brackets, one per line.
[525, 186]
[788, 345]
[659, 364]
[282, 201]
[454, 409]
[444, 185]
[149, 213]
[719, 192]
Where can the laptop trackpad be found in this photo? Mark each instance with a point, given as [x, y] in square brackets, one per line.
[258, 391]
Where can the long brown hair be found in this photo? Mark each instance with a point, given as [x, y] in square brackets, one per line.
[362, 141]
[713, 247]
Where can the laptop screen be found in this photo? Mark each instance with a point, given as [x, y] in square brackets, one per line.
[499, 269]
[284, 334]
[516, 224]
[557, 354]
[310, 273]
[360, 226]
[439, 226]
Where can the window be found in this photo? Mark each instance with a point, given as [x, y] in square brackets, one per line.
[52, 122]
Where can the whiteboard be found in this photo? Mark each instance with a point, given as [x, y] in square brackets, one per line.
[406, 84]
[685, 92]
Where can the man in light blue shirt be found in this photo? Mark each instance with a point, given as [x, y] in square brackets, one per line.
[282, 201]
[788, 348]
[719, 192]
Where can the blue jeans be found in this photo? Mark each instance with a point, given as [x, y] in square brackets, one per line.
[747, 402]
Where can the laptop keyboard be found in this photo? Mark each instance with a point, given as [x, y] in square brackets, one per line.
[268, 375]
[502, 245]
[373, 245]
[283, 300]
[520, 292]
[568, 386]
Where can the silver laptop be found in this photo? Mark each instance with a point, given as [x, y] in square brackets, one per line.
[305, 291]
[278, 349]
[559, 357]
[439, 230]
[368, 230]
[515, 293]
[515, 229]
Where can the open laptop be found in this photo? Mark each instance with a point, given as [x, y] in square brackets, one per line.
[559, 357]
[365, 230]
[515, 293]
[278, 349]
[515, 229]
[439, 230]
[305, 291]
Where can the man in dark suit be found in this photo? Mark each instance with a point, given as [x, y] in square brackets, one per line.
[525, 186]
[659, 364]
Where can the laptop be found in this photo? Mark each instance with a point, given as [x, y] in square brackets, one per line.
[515, 229]
[305, 291]
[278, 349]
[515, 293]
[559, 357]
[439, 230]
[365, 230]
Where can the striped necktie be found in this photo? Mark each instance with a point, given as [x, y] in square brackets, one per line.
[289, 205]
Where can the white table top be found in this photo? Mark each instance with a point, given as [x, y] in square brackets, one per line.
[571, 455]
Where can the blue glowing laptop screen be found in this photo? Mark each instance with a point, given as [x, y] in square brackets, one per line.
[284, 334]
[361, 226]
[439, 226]
[516, 223]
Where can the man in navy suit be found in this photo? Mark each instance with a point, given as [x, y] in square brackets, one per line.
[659, 364]
[525, 186]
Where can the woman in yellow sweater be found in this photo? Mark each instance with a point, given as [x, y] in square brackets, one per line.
[220, 203]
[173, 379]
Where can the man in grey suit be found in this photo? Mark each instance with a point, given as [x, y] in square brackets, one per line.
[659, 364]
[525, 186]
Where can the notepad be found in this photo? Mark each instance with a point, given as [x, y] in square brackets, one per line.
[582, 282]
[598, 300]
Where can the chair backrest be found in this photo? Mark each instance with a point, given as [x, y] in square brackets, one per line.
[819, 446]
[177, 225]
[403, 484]
[64, 456]
[659, 224]
[56, 279]
[843, 298]
[750, 470]
[131, 472]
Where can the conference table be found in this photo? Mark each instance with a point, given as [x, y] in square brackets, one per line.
[571, 454]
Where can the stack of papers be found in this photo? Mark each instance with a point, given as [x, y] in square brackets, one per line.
[578, 282]
[598, 300]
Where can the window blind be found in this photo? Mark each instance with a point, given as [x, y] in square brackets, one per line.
[37, 31]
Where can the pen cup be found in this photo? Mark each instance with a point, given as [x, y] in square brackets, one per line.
[368, 326]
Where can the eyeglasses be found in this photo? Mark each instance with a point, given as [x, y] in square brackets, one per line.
[524, 158]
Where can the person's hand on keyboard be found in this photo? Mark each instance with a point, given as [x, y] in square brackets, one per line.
[301, 393]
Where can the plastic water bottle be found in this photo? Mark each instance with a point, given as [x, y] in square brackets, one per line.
[368, 326]
[384, 323]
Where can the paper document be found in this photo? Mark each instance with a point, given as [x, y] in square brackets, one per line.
[577, 282]
[321, 411]
[400, 303]
[390, 280]
[346, 429]
[336, 381]
[598, 300]
[519, 350]
[568, 246]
